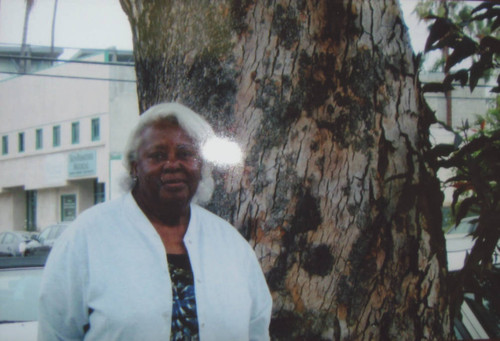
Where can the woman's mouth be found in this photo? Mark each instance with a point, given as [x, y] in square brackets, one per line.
[173, 183]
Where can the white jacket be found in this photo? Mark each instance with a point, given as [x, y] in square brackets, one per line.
[112, 261]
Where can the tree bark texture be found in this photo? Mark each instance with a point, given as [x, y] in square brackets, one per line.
[334, 193]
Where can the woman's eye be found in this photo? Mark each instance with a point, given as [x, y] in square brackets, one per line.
[185, 154]
[181, 154]
[158, 156]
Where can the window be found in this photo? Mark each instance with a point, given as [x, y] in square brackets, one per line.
[31, 210]
[21, 142]
[96, 131]
[56, 136]
[8, 239]
[68, 207]
[39, 139]
[99, 192]
[5, 145]
[75, 132]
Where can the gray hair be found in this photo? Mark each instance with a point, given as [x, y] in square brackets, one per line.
[192, 123]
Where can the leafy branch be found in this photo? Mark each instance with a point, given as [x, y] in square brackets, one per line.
[472, 35]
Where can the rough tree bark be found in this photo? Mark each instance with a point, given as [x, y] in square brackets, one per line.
[334, 193]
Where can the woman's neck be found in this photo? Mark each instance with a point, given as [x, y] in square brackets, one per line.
[170, 221]
[171, 214]
[172, 237]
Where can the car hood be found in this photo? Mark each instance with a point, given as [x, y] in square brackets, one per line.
[459, 243]
[26, 331]
[33, 243]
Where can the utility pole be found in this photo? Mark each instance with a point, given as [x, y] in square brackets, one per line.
[23, 63]
[447, 94]
[53, 30]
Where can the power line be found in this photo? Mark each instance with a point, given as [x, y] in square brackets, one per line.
[68, 77]
[17, 45]
[134, 81]
[458, 85]
[46, 59]
[461, 98]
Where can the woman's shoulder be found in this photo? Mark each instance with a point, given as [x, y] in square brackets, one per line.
[211, 232]
[105, 209]
[213, 225]
[208, 216]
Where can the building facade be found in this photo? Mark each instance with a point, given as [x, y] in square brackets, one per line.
[465, 105]
[64, 128]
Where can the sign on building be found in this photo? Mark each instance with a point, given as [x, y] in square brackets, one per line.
[82, 164]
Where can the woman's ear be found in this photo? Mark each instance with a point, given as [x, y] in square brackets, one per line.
[133, 168]
[133, 175]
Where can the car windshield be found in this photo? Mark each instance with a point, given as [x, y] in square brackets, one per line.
[45, 234]
[51, 232]
[19, 289]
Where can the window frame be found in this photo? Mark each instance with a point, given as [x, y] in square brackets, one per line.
[75, 132]
[99, 192]
[20, 142]
[31, 210]
[5, 144]
[39, 139]
[95, 129]
[56, 135]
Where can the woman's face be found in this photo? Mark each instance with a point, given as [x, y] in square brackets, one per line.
[168, 166]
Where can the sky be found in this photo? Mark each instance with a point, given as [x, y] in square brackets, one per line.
[101, 24]
[95, 24]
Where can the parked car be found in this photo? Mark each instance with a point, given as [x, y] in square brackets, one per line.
[20, 279]
[459, 242]
[43, 242]
[13, 243]
[49, 235]
[480, 310]
[477, 322]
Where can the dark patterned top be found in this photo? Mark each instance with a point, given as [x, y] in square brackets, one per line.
[184, 317]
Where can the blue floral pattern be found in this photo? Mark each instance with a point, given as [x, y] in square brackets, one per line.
[184, 317]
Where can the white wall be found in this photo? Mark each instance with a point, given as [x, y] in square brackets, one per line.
[45, 170]
[48, 209]
[465, 105]
[13, 210]
[28, 103]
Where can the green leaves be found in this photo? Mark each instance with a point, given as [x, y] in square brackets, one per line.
[476, 162]
[463, 47]
[440, 33]
[465, 34]
[462, 76]
[483, 48]
[477, 179]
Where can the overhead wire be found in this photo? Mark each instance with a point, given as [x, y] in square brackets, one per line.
[113, 63]
[68, 77]
[79, 61]
[64, 61]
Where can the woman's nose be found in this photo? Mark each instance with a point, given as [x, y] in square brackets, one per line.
[171, 162]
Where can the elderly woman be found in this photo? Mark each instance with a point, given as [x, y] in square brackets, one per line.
[153, 265]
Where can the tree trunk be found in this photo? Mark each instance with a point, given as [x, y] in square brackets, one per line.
[335, 192]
